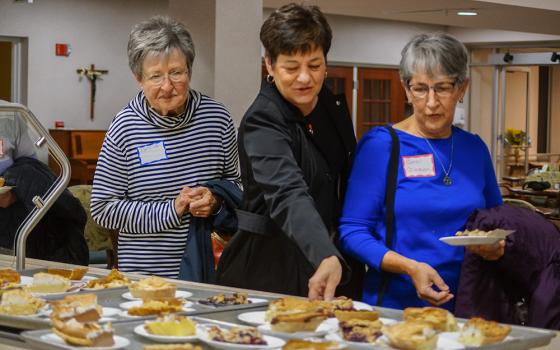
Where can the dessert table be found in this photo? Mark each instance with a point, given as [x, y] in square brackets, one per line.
[29, 333]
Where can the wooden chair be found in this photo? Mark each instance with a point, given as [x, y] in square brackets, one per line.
[85, 148]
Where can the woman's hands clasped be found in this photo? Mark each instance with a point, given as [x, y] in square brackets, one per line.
[199, 201]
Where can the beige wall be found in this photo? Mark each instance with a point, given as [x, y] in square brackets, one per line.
[555, 111]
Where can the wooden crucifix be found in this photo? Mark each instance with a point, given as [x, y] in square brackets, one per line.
[92, 74]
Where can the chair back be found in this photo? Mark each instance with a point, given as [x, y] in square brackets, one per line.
[86, 145]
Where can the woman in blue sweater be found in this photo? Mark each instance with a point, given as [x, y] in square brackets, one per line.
[444, 173]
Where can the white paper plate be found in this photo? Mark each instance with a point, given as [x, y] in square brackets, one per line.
[5, 189]
[178, 294]
[127, 305]
[254, 318]
[444, 343]
[323, 329]
[495, 236]
[272, 342]
[360, 305]
[140, 330]
[352, 345]
[51, 338]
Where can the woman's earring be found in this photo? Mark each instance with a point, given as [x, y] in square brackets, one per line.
[326, 73]
[461, 100]
[269, 79]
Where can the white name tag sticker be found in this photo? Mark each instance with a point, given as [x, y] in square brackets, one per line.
[419, 166]
[1, 148]
[152, 152]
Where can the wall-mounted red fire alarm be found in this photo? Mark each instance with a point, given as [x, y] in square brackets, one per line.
[63, 50]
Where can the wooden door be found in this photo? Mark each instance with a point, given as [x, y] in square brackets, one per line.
[381, 98]
[340, 81]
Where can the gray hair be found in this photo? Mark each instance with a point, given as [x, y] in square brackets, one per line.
[156, 36]
[434, 53]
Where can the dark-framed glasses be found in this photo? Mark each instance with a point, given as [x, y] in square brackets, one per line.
[157, 79]
[442, 90]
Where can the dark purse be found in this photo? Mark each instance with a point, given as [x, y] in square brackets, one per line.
[537, 185]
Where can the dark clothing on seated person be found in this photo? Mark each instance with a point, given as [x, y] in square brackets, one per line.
[59, 235]
[529, 270]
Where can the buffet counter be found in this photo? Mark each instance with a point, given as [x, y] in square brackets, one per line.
[32, 332]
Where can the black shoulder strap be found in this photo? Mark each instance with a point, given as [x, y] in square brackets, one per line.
[390, 189]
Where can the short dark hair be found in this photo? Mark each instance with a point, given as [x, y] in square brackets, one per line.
[295, 28]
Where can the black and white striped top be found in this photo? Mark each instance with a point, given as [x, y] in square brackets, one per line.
[138, 199]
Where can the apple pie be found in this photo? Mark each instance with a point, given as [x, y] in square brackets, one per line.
[306, 321]
[156, 307]
[441, 319]
[73, 274]
[478, 331]
[347, 315]
[82, 307]
[411, 335]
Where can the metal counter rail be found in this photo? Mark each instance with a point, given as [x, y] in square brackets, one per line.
[42, 205]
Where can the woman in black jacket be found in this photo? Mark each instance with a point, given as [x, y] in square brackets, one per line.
[295, 146]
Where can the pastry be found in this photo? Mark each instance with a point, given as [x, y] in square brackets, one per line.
[114, 279]
[411, 335]
[171, 325]
[296, 344]
[478, 331]
[152, 288]
[74, 274]
[156, 307]
[84, 334]
[441, 319]
[47, 283]
[20, 302]
[237, 335]
[82, 307]
[222, 299]
[361, 331]
[292, 305]
[9, 275]
[307, 321]
[2, 181]
[347, 315]
[172, 347]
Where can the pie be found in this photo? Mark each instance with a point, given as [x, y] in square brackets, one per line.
[2, 181]
[291, 305]
[306, 321]
[48, 283]
[237, 335]
[297, 344]
[18, 302]
[114, 279]
[152, 288]
[347, 315]
[478, 331]
[361, 331]
[74, 274]
[171, 325]
[156, 307]
[222, 299]
[9, 279]
[172, 347]
[82, 307]
[84, 334]
[411, 335]
[441, 319]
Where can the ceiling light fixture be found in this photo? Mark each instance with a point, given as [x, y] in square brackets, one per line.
[467, 13]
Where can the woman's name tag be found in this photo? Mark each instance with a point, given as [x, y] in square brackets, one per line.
[152, 152]
[419, 166]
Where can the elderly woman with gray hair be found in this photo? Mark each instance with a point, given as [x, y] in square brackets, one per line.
[442, 175]
[160, 152]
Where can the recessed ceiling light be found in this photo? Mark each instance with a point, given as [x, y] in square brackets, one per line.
[467, 13]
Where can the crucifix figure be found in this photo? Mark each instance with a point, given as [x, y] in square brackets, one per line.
[92, 74]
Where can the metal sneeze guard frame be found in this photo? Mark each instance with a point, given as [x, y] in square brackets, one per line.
[42, 205]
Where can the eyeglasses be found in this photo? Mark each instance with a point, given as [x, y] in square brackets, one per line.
[442, 90]
[157, 79]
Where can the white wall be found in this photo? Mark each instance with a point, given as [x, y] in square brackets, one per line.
[98, 33]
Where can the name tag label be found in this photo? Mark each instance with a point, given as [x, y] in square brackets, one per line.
[419, 166]
[152, 153]
[1, 148]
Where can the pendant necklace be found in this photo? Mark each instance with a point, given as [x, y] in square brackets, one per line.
[446, 179]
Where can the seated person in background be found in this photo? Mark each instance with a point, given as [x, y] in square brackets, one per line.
[59, 234]
[160, 152]
[436, 162]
